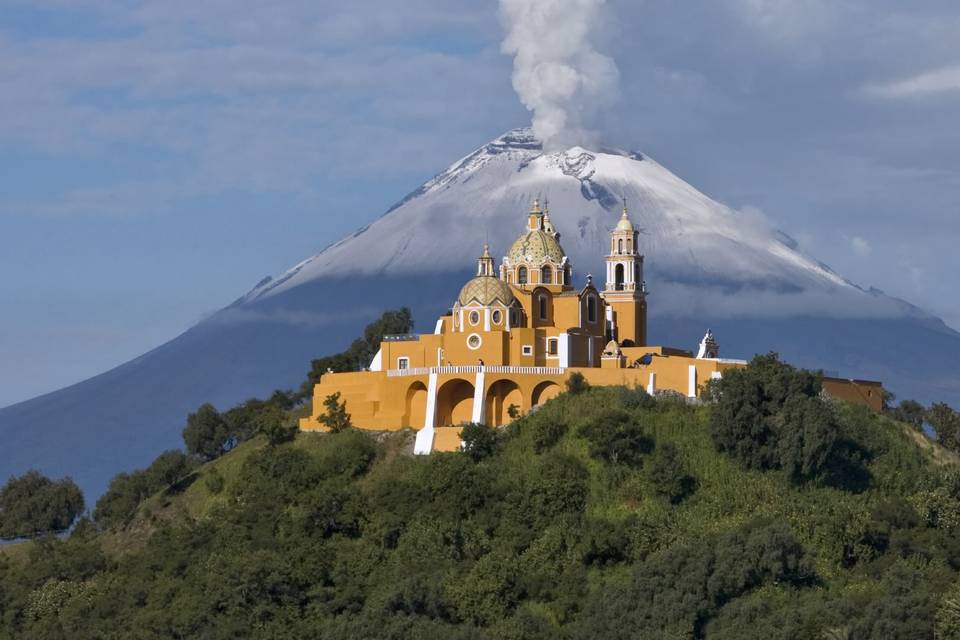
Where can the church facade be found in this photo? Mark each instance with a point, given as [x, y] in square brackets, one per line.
[514, 336]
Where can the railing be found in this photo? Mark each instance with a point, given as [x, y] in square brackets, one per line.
[458, 370]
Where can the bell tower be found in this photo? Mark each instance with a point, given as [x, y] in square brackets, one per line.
[625, 292]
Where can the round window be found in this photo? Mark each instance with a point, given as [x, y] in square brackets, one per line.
[474, 317]
[497, 316]
[474, 341]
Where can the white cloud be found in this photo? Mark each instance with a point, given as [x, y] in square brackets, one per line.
[861, 246]
[937, 81]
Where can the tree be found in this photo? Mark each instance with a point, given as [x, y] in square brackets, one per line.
[273, 422]
[769, 415]
[617, 437]
[361, 351]
[946, 422]
[479, 441]
[909, 411]
[32, 504]
[577, 384]
[206, 434]
[336, 418]
[668, 474]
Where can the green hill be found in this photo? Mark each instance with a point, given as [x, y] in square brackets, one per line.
[605, 514]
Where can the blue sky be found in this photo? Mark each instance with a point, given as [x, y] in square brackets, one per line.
[158, 159]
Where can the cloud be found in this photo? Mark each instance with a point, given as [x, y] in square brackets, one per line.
[929, 83]
[861, 246]
[557, 71]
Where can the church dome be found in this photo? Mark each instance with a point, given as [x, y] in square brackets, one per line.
[536, 247]
[485, 291]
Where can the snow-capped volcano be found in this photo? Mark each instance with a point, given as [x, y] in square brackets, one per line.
[707, 266]
[690, 240]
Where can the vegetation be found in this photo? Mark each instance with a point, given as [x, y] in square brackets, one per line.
[767, 513]
[33, 504]
[361, 351]
[336, 417]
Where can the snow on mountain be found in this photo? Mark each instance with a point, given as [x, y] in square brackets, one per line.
[689, 239]
[707, 266]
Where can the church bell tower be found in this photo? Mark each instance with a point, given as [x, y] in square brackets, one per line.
[625, 292]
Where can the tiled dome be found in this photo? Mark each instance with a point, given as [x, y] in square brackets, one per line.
[485, 291]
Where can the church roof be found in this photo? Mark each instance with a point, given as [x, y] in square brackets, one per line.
[536, 247]
[485, 291]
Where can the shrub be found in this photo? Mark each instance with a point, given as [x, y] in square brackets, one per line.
[33, 504]
[617, 437]
[547, 433]
[479, 441]
[946, 423]
[668, 475]
[577, 384]
[769, 416]
[214, 481]
[206, 433]
[336, 418]
[636, 398]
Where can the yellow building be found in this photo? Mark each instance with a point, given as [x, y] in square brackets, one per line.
[514, 336]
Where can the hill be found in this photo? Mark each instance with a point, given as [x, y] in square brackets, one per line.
[603, 514]
[707, 264]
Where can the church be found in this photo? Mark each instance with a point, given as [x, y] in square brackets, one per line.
[514, 336]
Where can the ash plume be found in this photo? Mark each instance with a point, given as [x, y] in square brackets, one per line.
[557, 72]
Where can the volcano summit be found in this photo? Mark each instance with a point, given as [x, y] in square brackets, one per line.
[709, 266]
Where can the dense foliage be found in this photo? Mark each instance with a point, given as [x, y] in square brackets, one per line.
[128, 490]
[32, 504]
[603, 514]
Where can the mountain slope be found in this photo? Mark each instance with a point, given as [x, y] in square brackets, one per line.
[707, 266]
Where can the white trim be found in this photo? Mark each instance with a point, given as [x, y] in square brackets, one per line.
[563, 350]
[526, 350]
[486, 319]
[377, 363]
[692, 381]
[716, 375]
[479, 406]
[439, 328]
[479, 341]
[400, 362]
[470, 317]
[652, 385]
[423, 444]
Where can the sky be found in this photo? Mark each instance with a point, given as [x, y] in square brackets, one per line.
[158, 159]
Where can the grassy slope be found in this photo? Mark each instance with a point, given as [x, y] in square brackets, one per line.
[727, 496]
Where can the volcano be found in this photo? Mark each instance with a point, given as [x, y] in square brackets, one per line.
[707, 266]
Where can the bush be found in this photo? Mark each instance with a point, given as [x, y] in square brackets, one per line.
[668, 475]
[206, 434]
[479, 441]
[636, 398]
[547, 433]
[946, 423]
[214, 481]
[769, 416]
[336, 418]
[577, 384]
[617, 437]
[32, 504]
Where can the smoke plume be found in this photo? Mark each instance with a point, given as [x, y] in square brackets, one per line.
[557, 73]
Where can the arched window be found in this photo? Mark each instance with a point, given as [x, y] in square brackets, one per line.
[636, 273]
[629, 245]
[542, 306]
[546, 275]
[618, 277]
[591, 309]
[522, 275]
[567, 276]
[620, 246]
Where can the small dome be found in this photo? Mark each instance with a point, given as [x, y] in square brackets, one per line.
[624, 224]
[536, 247]
[485, 291]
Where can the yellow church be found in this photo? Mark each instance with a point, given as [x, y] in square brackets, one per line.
[514, 336]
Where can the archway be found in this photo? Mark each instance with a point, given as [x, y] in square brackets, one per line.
[454, 402]
[544, 391]
[618, 277]
[500, 396]
[416, 405]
